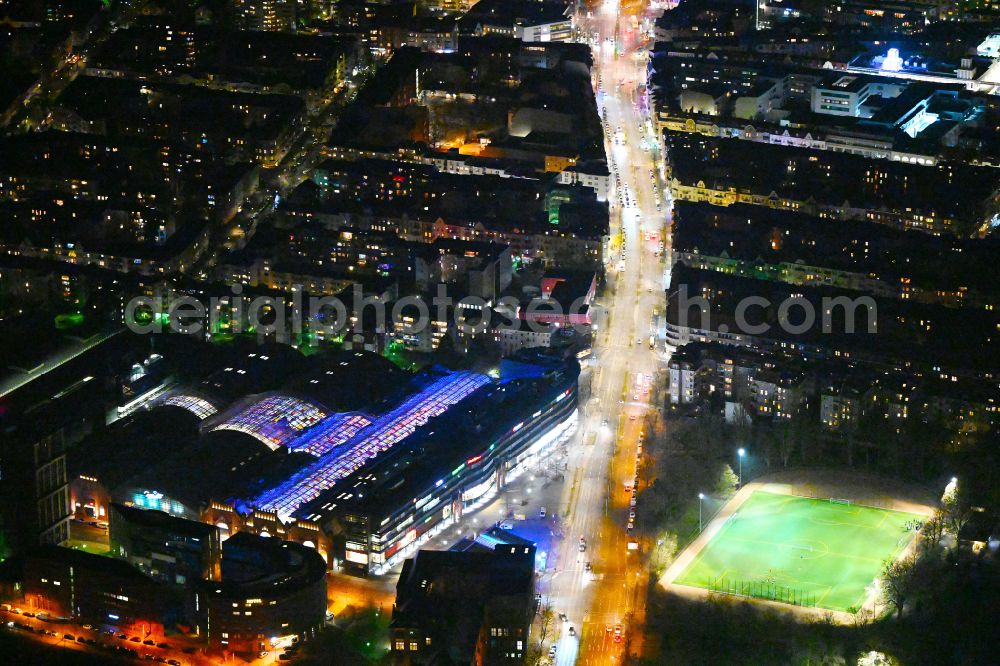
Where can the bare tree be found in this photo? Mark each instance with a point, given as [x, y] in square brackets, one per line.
[544, 623]
[897, 582]
[932, 532]
[957, 510]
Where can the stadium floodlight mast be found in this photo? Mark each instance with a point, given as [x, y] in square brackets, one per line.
[701, 496]
[740, 453]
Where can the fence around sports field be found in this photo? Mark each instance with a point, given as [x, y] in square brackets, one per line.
[762, 589]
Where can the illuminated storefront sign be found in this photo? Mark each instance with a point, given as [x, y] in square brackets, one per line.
[410, 537]
[356, 557]
[477, 491]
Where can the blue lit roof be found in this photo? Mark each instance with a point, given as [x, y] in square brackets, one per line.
[337, 461]
[496, 536]
[330, 433]
[274, 419]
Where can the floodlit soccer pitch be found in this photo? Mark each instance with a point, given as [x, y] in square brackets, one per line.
[809, 552]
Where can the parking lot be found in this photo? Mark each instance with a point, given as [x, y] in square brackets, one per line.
[174, 650]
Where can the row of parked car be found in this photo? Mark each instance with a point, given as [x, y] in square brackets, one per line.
[122, 647]
[110, 647]
[289, 651]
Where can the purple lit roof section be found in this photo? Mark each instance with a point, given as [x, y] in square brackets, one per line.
[274, 420]
[330, 433]
[384, 433]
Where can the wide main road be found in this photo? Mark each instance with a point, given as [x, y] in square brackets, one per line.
[604, 606]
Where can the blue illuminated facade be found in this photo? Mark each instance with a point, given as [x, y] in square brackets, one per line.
[388, 508]
[344, 444]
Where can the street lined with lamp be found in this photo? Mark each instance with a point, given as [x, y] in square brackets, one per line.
[602, 586]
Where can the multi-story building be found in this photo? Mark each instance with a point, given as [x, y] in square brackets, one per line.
[564, 300]
[265, 589]
[388, 507]
[703, 21]
[836, 323]
[831, 185]
[408, 331]
[438, 34]
[523, 335]
[800, 249]
[577, 240]
[305, 436]
[838, 392]
[697, 371]
[913, 115]
[473, 606]
[780, 394]
[897, 17]
[841, 404]
[60, 395]
[268, 589]
[265, 15]
[682, 374]
[155, 46]
[593, 174]
[242, 126]
[528, 21]
[451, 6]
[99, 590]
[131, 204]
[847, 94]
[164, 547]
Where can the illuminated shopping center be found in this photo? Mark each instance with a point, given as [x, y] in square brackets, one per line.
[352, 456]
[389, 507]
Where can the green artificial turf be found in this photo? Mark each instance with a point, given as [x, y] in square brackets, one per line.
[810, 552]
